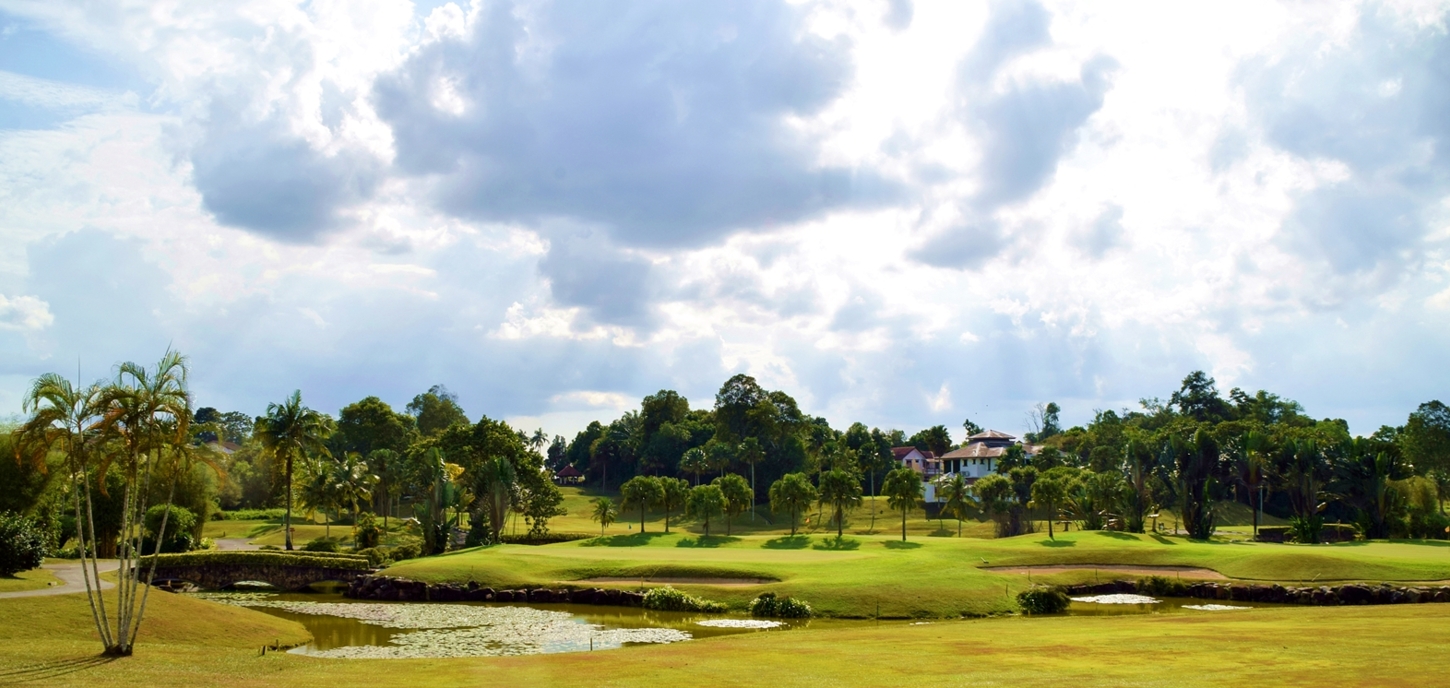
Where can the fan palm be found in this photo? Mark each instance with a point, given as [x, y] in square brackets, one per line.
[956, 498]
[902, 488]
[291, 431]
[842, 491]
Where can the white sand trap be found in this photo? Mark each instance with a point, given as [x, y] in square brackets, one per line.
[722, 582]
[1213, 607]
[1118, 599]
[739, 623]
[1047, 569]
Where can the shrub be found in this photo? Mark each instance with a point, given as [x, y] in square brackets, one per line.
[249, 515]
[22, 544]
[668, 599]
[1158, 586]
[369, 533]
[263, 558]
[1043, 600]
[407, 550]
[179, 524]
[1433, 525]
[545, 539]
[770, 606]
[321, 544]
[377, 556]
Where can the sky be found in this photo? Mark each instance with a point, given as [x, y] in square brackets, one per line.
[900, 213]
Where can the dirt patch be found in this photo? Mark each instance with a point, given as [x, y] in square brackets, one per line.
[667, 580]
[1180, 571]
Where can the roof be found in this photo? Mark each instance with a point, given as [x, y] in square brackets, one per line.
[568, 472]
[901, 452]
[976, 450]
[990, 435]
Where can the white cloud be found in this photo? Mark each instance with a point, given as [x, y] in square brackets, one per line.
[24, 313]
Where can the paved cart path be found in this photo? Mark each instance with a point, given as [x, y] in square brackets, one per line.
[71, 580]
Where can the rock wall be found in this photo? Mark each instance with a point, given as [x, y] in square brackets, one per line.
[391, 589]
[1349, 593]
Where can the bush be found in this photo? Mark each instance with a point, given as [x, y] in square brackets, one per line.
[369, 533]
[770, 606]
[263, 558]
[321, 544]
[407, 550]
[545, 539]
[668, 599]
[249, 515]
[1043, 600]
[1431, 525]
[377, 556]
[23, 544]
[1158, 586]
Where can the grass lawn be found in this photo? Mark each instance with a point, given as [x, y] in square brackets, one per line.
[192, 642]
[923, 577]
[33, 579]
[269, 532]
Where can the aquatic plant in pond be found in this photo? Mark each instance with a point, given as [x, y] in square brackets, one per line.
[739, 623]
[1121, 598]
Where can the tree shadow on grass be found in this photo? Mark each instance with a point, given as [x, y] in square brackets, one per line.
[706, 541]
[899, 544]
[1117, 535]
[1163, 540]
[839, 544]
[47, 671]
[631, 540]
[1058, 543]
[788, 542]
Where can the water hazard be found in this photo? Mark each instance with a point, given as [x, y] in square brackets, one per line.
[343, 628]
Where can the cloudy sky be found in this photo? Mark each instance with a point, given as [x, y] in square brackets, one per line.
[899, 212]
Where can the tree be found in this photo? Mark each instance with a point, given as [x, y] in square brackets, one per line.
[436, 410]
[354, 484]
[1425, 443]
[903, 492]
[291, 431]
[673, 492]
[734, 402]
[494, 485]
[1138, 498]
[751, 453]
[956, 496]
[695, 461]
[604, 514]
[1043, 419]
[1048, 492]
[542, 501]
[1253, 469]
[1198, 399]
[935, 439]
[390, 471]
[1365, 476]
[737, 496]
[791, 494]
[641, 492]
[1304, 470]
[995, 494]
[1196, 467]
[840, 490]
[705, 502]
[22, 544]
[318, 492]
[971, 428]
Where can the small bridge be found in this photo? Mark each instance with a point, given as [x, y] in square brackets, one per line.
[285, 570]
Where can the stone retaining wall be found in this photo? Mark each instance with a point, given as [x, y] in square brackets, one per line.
[1351, 593]
[390, 589]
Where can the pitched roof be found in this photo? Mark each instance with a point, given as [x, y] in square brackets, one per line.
[568, 472]
[976, 450]
[991, 435]
[901, 452]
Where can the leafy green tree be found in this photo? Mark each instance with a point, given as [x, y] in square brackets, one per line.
[956, 496]
[704, 503]
[436, 410]
[291, 431]
[792, 494]
[995, 494]
[737, 495]
[23, 544]
[935, 439]
[734, 403]
[390, 472]
[368, 425]
[640, 493]
[841, 490]
[971, 428]
[495, 483]
[1198, 399]
[1425, 443]
[542, 501]
[1365, 477]
[1048, 493]
[1304, 469]
[1044, 421]
[355, 485]
[605, 514]
[673, 493]
[903, 492]
[1254, 467]
[1196, 468]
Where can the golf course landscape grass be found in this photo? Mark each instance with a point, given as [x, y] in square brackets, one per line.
[49, 641]
[33, 579]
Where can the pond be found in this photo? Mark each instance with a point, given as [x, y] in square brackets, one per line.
[1117, 605]
[344, 628]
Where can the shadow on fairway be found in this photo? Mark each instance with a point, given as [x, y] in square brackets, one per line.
[1163, 540]
[1058, 543]
[46, 671]
[702, 541]
[631, 540]
[1117, 535]
[838, 544]
[788, 542]
[897, 544]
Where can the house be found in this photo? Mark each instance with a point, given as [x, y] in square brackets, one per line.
[979, 456]
[924, 463]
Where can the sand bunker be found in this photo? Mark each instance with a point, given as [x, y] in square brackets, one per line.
[1179, 571]
[722, 582]
[1213, 607]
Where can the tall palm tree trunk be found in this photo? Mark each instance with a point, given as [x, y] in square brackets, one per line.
[287, 518]
[903, 524]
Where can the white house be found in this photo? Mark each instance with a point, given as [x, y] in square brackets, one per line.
[979, 456]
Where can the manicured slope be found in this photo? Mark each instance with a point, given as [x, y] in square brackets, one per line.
[194, 643]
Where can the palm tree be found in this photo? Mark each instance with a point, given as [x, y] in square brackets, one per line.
[290, 431]
[737, 496]
[956, 499]
[353, 485]
[673, 492]
[1254, 470]
[604, 513]
[842, 491]
[751, 453]
[1049, 492]
[319, 493]
[792, 494]
[704, 502]
[902, 488]
[695, 461]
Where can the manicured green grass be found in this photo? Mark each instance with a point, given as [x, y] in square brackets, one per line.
[923, 577]
[269, 532]
[33, 579]
[189, 642]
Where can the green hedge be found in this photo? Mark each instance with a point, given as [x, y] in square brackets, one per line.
[249, 515]
[260, 558]
[668, 599]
